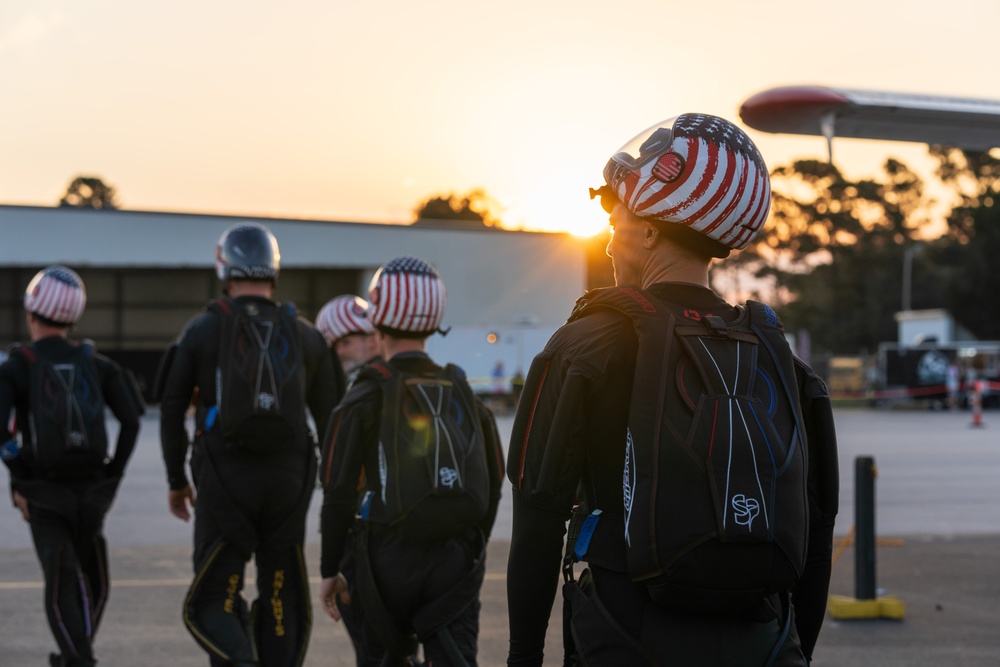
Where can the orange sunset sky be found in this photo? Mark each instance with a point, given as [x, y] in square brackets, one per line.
[358, 111]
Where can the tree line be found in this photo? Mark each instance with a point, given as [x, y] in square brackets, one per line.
[836, 249]
[833, 249]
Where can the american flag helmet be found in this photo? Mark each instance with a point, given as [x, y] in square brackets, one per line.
[342, 316]
[247, 251]
[695, 170]
[57, 294]
[406, 296]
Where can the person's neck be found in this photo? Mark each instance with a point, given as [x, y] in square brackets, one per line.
[669, 264]
[391, 346]
[238, 288]
[38, 331]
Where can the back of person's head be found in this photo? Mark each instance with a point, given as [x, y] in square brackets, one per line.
[56, 296]
[342, 316]
[247, 251]
[699, 178]
[406, 298]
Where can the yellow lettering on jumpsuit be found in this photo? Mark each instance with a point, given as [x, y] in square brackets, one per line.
[276, 606]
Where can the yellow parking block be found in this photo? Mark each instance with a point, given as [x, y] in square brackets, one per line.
[843, 607]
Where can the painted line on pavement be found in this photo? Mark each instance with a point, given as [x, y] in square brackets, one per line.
[167, 583]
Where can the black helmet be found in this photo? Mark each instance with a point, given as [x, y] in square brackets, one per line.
[247, 252]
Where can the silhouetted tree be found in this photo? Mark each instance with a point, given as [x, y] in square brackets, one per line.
[89, 192]
[969, 258]
[837, 247]
[476, 207]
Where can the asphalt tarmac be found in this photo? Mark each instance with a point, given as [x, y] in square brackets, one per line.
[937, 515]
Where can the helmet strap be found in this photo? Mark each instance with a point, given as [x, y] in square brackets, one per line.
[692, 240]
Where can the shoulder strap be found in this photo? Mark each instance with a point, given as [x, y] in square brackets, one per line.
[457, 375]
[26, 352]
[220, 306]
[397, 644]
[377, 371]
[765, 323]
[762, 314]
[631, 301]
[454, 371]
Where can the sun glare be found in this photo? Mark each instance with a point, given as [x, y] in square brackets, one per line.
[566, 209]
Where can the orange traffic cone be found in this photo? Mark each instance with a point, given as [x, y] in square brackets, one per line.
[977, 403]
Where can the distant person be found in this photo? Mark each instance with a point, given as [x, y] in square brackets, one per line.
[343, 321]
[971, 376]
[63, 478]
[255, 367]
[953, 384]
[429, 461]
[499, 379]
[698, 546]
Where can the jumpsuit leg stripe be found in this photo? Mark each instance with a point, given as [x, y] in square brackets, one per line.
[102, 598]
[304, 583]
[88, 626]
[54, 605]
[187, 602]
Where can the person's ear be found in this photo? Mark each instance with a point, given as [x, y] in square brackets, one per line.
[650, 235]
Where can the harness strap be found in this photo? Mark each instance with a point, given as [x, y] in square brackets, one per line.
[396, 642]
[431, 620]
[436, 616]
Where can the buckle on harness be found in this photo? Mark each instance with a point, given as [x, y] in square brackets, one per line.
[717, 325]
[577, 545]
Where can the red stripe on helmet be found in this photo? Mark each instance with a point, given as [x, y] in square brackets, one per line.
[705, 179]
[736, 208]
[398, 288]
[418, 307]
[690, 150]
[762, 193]
[53, 292]
[719, 194]
[728, 218]
[391, 300]
[387, 297]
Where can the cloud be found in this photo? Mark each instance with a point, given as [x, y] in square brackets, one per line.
[29, 29]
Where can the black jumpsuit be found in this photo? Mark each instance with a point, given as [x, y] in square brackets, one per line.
[248, 504]
[68, 503]
[411, 576]
[568, 435]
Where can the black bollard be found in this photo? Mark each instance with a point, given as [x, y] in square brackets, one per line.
[865, 604]
[864, 528]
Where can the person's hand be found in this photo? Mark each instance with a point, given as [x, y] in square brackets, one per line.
[330, 589]
[22, 504]
[179, 501]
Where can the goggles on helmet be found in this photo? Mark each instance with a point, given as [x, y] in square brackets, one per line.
[647, 145]
[607, 196]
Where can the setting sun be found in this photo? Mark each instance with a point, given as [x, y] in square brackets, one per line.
[559, 211]
[561, 204]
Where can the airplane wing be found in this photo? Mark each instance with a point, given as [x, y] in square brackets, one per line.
[972, 124]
